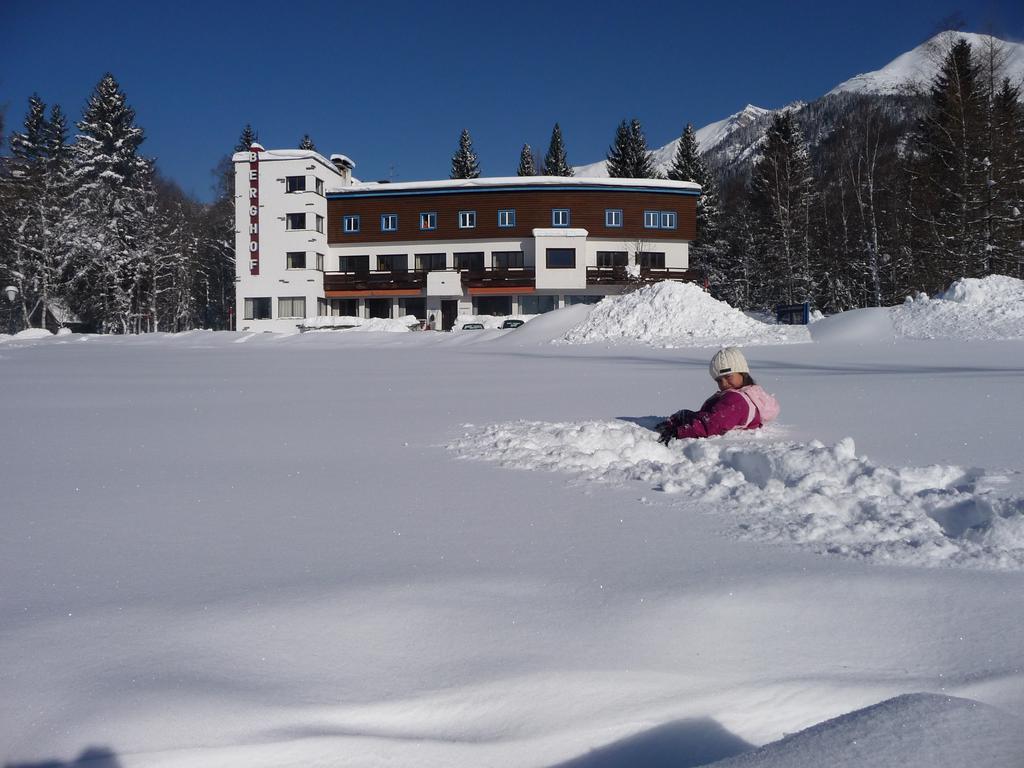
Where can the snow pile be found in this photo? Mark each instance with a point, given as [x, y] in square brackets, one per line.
[919, 730]
[342, 323]
[673, 314]
[29, 334]
[823, 497]
[986, 308]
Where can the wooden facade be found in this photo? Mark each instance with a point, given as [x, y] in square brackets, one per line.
[533, 209]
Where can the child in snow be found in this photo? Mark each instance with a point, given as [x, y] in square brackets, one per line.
[738, 404]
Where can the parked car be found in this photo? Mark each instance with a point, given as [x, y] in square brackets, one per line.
[472, 326]
[512, 323]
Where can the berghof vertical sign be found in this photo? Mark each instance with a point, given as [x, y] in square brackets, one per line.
[254, 209]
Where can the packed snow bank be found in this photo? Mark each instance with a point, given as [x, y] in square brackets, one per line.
[349, 323]
[920, 730]
[671, 314]
[823, 497]
[857, 326]
[28, 334]
[988, 308]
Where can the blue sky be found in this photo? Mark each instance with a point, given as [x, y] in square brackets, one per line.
[391, 84]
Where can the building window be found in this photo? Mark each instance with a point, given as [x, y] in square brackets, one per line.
[295, 260]
[430, 262]
[467, 219]
[257, 309]
[354, 264]
[507, 217]
[582, 299]
[560, 217]
[612, 217]
[295, 184]
[470, 262]
[508, 259]
[428, 220]
[414, 307]
[389, 222]
[493, 305]
[652, 219]
[608, 259]
[319, 223]
[668, 219]
[291, 306]
[295, 221]
[651, 259]
[350, 224]
[320, 262]
[319, 186]
[378, 308]
[343, 307]
[561, 258]
[537, 305]
[393, 262]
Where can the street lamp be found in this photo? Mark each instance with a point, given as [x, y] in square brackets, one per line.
[12, 294]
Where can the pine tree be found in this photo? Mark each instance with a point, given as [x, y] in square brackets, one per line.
[781, 192]
[628, 157]
[464, 162]
[949, 150]
[1006, 182]
[247, 139]
[111, 199]
[307, 143]
[555, 161]
[526, 165]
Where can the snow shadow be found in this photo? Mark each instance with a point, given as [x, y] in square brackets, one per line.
[91, 757]
[679, 744]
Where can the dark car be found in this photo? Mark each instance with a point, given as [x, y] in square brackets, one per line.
[472, 326]
[512, 323]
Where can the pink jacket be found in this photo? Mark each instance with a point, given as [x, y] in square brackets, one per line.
[745, 408]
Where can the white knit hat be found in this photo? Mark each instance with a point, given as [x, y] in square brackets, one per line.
[728, 360]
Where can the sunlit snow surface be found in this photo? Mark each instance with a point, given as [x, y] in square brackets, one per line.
[274, 550]
[823, 497]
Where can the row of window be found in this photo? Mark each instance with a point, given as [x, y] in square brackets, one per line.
[298, 184]
[297, 260]
[301, 221]
[560, 217]
[287, 306]
[473, 261]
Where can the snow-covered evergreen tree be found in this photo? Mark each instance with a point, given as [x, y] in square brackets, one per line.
[112, 198]
[526, 164]
[628, 157]
[464, 162]
[556, 163]
[247, 139]
[307, 143]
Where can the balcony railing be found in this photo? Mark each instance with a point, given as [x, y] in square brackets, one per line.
[375, 281]
[499, 278]
[618, 275]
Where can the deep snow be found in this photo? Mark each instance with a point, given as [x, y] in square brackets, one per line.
[292, 551]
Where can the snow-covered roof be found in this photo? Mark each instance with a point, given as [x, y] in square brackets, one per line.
[522, 182]
[288, 154]
[344, 159]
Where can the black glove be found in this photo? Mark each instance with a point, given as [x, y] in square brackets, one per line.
[667, 431]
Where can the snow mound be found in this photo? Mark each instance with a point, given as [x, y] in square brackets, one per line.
[343, 323]
[920, 730]
[822, 497]
[670, 314]
[29, 334]
[488, 321]
[988, 308]
[856, 326]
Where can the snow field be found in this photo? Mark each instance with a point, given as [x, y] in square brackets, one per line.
[823, 497]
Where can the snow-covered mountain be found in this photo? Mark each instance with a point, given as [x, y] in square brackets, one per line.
[734, 140]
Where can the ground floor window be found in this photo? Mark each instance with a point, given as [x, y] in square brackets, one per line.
[291, 306]
[582, 299]
[415, 307]
[536, 305]
[651, 259]
[561, 258]
[508, 259]
[341, 307]
[378, 307]
[493, 305]
[257, 309]
[611, 258]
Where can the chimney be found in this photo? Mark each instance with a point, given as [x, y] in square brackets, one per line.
[344, 166]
